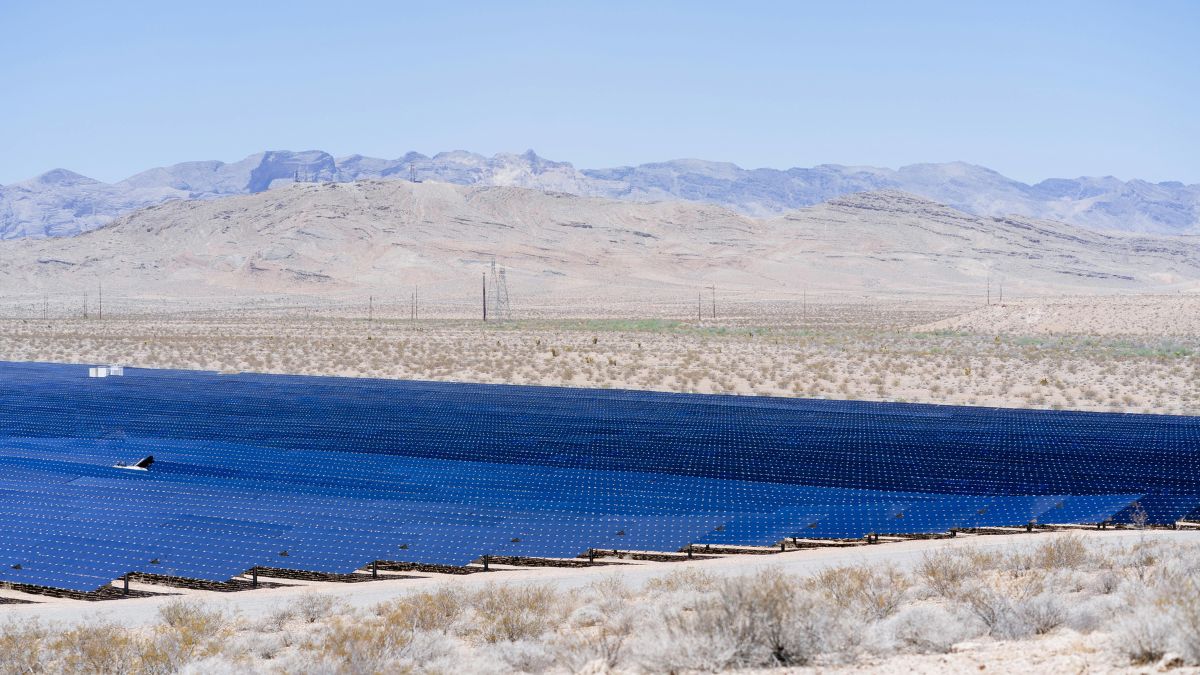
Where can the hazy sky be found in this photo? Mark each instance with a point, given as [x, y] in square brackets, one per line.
[1033, 89]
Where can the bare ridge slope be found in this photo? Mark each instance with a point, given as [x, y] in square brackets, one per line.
[61, 203]
[367, 236]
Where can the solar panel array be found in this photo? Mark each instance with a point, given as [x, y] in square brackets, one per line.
[328, 474]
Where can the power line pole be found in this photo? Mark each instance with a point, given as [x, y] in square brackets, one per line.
[100, 309]
[714, 301]
[485, 296]
[370, 309]
[699, 306]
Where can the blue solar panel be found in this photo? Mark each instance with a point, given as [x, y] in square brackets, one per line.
[327, 474]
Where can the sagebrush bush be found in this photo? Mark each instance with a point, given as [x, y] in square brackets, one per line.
[944, 572]
[187, 632]
[761, 620]
[512, 613]
[312, 607]
[436, 611]
[21, 648]
[924, 628]
[875, 592]
[99, 648]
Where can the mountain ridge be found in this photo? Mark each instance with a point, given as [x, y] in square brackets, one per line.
[62, 203]
[376, 236]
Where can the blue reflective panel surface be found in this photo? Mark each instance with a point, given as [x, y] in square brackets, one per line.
[328, 474]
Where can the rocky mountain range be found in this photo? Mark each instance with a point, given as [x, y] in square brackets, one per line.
[376, 236]
[63, 203]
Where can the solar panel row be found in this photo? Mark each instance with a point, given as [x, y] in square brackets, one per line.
[328, 474]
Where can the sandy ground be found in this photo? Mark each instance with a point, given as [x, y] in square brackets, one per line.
[1160, 316]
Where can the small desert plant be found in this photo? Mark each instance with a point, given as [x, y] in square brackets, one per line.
[1062, 552]
[22, 648]
[312, 607]
[923, 628]
[688, 578]
[432, 611]
[762, 620]
[188, 631]
[512, 613]
[871, 591]
[943, 573]
[96, 648]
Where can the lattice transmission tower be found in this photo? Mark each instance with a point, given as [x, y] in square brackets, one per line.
[501, 308]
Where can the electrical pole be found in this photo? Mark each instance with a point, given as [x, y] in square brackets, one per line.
[714, 301]
[699, 306]
[1001, 292]
[370, 309]
[989, 292]
[485, 296]
[100, 309]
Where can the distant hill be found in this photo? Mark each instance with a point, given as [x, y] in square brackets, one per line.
[385, 236]
[62, 203]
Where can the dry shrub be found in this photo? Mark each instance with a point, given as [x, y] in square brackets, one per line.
[353, 645]
[767, 619]
[944, 572]
[398, 636]
[512, 613]
[1145, 635]
[430, 611]
[1014, 606]
[189, 631]
[923, 628]
[873, 592]
[97, 648]
[312, 607]
[21, 648]
[685, 579]
[600, 627]
[1066, 552]
[1166, 617]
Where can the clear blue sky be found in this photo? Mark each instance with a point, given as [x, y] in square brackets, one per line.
[1031, 89]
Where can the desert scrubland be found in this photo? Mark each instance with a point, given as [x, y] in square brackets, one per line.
[1101, 353]
[1056, 603]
